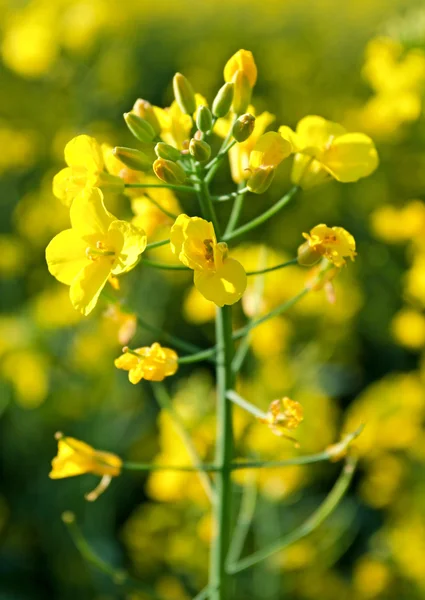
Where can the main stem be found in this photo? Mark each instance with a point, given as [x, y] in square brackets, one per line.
[222, 507]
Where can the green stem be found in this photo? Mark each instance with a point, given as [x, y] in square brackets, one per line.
[232, 196]
[161, 208]
[165, 266]
[118, 576]
[313, 522]
[253, 410]
[164, 401]
[198, 356]
[264, 217]
[222, 509]
[289, 263]
[244, 520]
[157, 244]
[204, 594]
[176, 188]
[236, 208]
[206, 204]
[273, 313]
[215, 163]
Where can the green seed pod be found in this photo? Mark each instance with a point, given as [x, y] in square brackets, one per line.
[140, 128]
[260, 180]
[308, 256]
[243, 127]
[223, 100]
[169, 171]
[163, 150]
[132, 158]
[184, 94]
[200, 150]
[204, 119]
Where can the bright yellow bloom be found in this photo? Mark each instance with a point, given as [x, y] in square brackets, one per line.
[97, 246]
[77, 458]
[219, 278]
[333, 243]
[324, 149]
[283, 414]
[153, 363]
[175, 124]
[269, 151]
[241, 70]
[83, 155]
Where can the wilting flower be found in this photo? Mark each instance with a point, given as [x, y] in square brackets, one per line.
[333, 243]
[84, 158]
[97, 246]
[153, 363]
[241, 70]
[77, 458]
[324, 149]
[283, 414]
[219, 278]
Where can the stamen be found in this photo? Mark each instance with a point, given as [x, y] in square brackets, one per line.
[99, 489]
[209, 250]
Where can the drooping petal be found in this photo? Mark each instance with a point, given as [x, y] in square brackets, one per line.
[68, 183]
[66, 256]
[129, 242]
[88, 214]
[84, 152]
[269, 151]
[224, 286]
[316, 132]
[86, 287]
[351, 157]
[73, 458]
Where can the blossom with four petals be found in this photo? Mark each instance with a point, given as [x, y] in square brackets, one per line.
[153, 363]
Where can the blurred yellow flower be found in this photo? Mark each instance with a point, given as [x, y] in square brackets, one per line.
[283, 414]
[333, 243]
[324, 149]
[371, 577]
[75, 457]
[408, 328]
[96, 247]
[147, 214]
[84, 157]
[153, 363]
[399, 224]
[28, 371]
[219, 278]
[197, 309]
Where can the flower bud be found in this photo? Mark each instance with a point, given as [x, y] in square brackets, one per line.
[139, 127]
[132, 158]
[144, 110]
[243, 127]
[163, 150]
[308, 256]
[223, 100]
[204, 119]
[200, 150]
[243, 92]
[169, 171]
[260, 180]
[184, 94]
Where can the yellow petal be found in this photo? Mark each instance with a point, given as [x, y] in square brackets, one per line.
[74, 458]
[177, 235]
[129, 242]
[316, 132]
[288, 134]
[68, 183]
[88, 214]
[269, 151]
[225, 286]
[126, 361]
[84, 152]
[66, 256]
[351, 157]
[243, 61]
[86, 287]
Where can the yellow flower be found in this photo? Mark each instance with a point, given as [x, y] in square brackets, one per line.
[153, 363]
[266, 156]
[333, 243]
[77, 458]
[219, 278]
[241, 70]
[283, 414]
[84, 158]
[97, 246]
[175, 124]
[324, 149]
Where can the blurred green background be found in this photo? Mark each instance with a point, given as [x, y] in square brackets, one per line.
[70, 67]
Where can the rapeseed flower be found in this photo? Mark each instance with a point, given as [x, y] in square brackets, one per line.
[241, 70]
[75, 457]
[84, 157]
[324, 149]
[283, 414]
[333, 243]
[97, 246]
[153, 363]
[219, 278]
